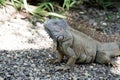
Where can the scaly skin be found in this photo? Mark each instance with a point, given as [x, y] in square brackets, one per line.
[78, 47]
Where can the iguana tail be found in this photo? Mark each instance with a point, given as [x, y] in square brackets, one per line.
[118, 44]
[111, 49]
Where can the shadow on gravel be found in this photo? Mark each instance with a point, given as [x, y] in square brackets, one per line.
[33, 64]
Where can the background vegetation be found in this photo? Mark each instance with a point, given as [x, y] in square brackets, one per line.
[53, 7]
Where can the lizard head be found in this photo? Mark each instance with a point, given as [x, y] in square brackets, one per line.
[57, 29]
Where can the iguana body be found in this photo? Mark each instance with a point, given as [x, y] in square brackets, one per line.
[77, 46]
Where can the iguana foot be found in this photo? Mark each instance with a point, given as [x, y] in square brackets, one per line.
[114, 63]
[54, 61]
[62, 68]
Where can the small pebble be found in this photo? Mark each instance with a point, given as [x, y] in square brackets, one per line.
[1, 78]
[104, 24]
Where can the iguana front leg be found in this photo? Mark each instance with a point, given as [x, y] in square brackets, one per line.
[71, 56]
[69, 52]
[58, 54]
[59, 57]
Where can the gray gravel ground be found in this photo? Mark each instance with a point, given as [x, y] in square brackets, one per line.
[100, 24]
[25, 54]
[33, 64]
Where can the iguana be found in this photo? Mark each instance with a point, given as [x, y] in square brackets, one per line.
[77, 46]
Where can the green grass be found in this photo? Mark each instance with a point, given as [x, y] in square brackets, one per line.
[2, 2]
[44, 7]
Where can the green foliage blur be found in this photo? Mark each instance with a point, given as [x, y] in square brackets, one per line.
[2, 2]
[18, 4]
[45, 7]
[103, 3]
[44, 4]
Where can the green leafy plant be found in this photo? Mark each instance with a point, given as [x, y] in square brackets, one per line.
[71, 3]
[110, 16]
[47, 5]
[44, 8]
[18, 4]
[2, 2]
[68, 3]
[102, 3]
[39, 11]
[105, 3]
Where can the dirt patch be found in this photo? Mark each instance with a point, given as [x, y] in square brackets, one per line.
[95, 23]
